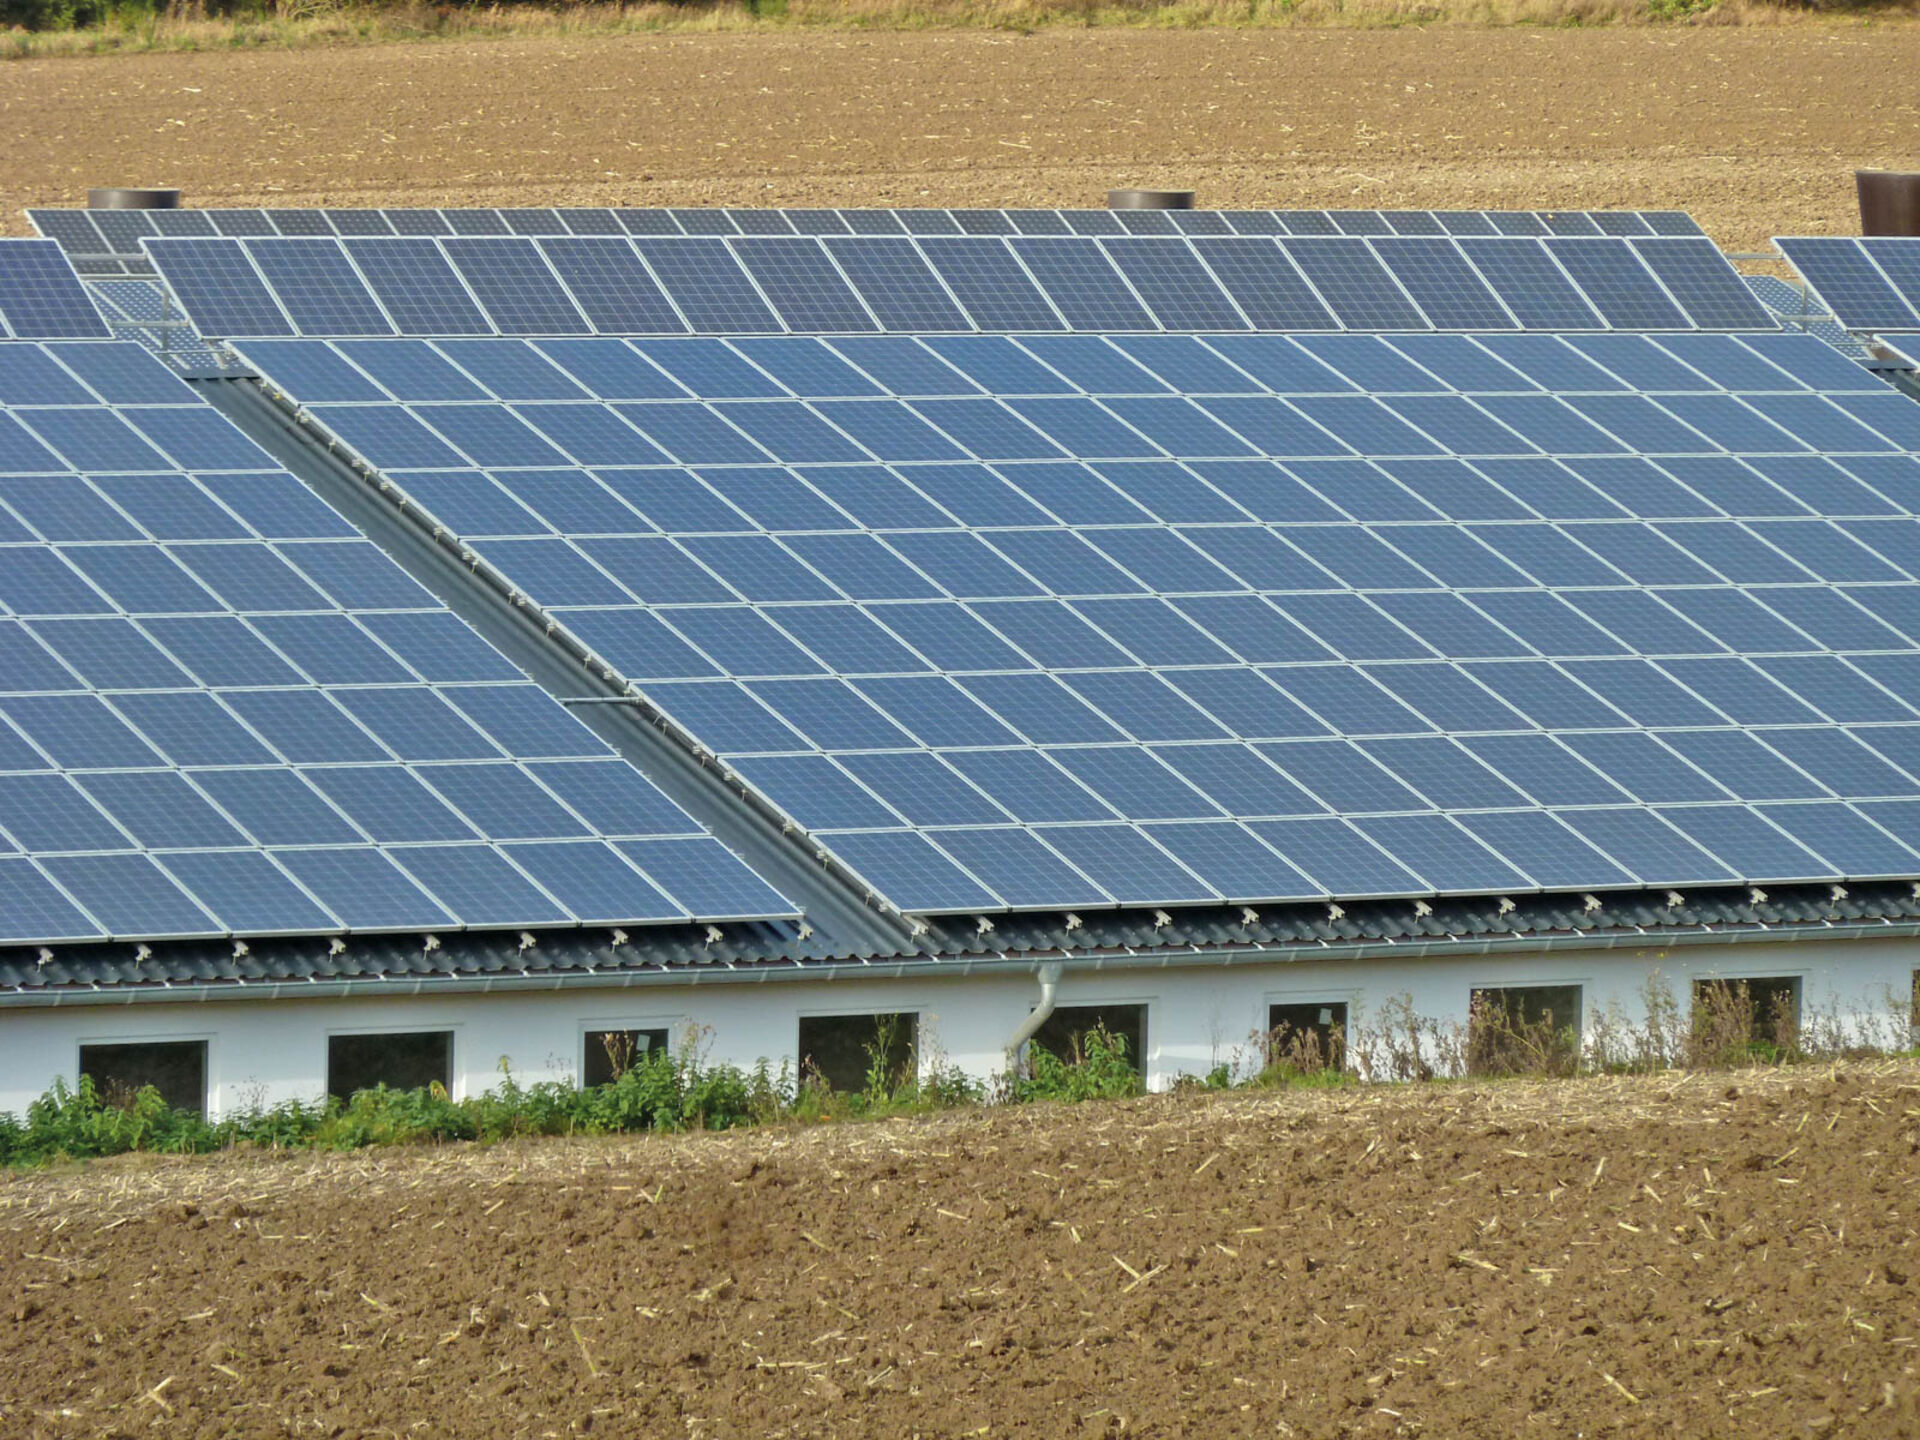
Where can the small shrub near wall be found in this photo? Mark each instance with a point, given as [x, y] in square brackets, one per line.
[1738, 1023]
[658, 1090]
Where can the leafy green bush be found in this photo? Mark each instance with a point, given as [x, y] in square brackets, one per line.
[123, 14]
[1101, 1071]
[661, 1090]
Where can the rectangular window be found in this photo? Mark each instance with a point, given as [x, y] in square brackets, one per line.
[842, 1051]
[409, 1061]
[1524, 1030]
[611, 1053]
[177, 1069]
[1761, 1012]
[1308, 1037]
[1066, 1030]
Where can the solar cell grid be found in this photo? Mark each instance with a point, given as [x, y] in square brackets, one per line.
[221, 617]
[804, 285]
[1413, 625]
[219, 288]
[899, 288]
[476, 222]
[707, 285]
[1174, 283]
[318, 287]
[1353, 283]
[1207, 280]
[1443, 284]
[516, 286]
[995, 288]
[1616, 282]
[1697, 276]
[416, 285]
[1869, 284]
[611, 287]
[41, 296]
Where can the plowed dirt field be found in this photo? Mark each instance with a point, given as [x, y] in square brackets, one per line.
[1756, 130]
[1708, 1256]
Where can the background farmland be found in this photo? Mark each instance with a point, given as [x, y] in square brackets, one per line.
[1714, 1254]
[1756, 130]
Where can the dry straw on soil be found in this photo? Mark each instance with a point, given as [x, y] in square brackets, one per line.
[1673, 1254]
[187, 24]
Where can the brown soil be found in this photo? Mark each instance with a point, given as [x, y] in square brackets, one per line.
[1705, 1256]
[1755, 130]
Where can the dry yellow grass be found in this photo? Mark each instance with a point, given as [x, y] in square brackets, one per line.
[295, 23]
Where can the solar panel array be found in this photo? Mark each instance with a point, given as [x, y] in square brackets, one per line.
[579, 285]
[40, 295]
[1870, 283]
[224, 711]
[117, 233]
[1071, 619]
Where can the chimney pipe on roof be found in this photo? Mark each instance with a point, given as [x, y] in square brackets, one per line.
[1889, 202]
[1150, 199]
[124, 198]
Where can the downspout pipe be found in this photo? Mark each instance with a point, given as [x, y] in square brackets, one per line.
[1049, 977]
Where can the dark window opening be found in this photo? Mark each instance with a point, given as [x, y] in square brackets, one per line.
[1524, 1030]
[1065, 1032]
[177, 1069]
[1763, 1013]
[842, 1051]
[1309, 1037]
[409, 1061]
[611, 1053]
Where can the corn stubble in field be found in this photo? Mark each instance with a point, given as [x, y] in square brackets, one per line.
[60, 27]
[1704, 1255]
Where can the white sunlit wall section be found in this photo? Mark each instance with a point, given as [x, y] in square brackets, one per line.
[223, 711]
[1073, 619]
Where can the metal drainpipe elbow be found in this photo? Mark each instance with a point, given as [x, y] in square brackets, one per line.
[1049, 977]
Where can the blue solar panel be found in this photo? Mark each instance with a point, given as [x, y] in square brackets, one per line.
[578, 221]
[1871, 284]
[1482, 545]
[1190, 275]
[318, 287]
[899, 287]
[1436, 274]
[127, 798]
[1617, 284]
[995, 288]
[1899, 260]
[1169, 276]
[414, 282]
[516, 286]
[1354, 284]
[804, 285]
[218, 287]
[611, 287]
[41, 296]
[1698, 277]
[707, 285]
[1537, 292]
[1265, 284]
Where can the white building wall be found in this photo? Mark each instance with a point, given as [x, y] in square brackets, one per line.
[262, 1052]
